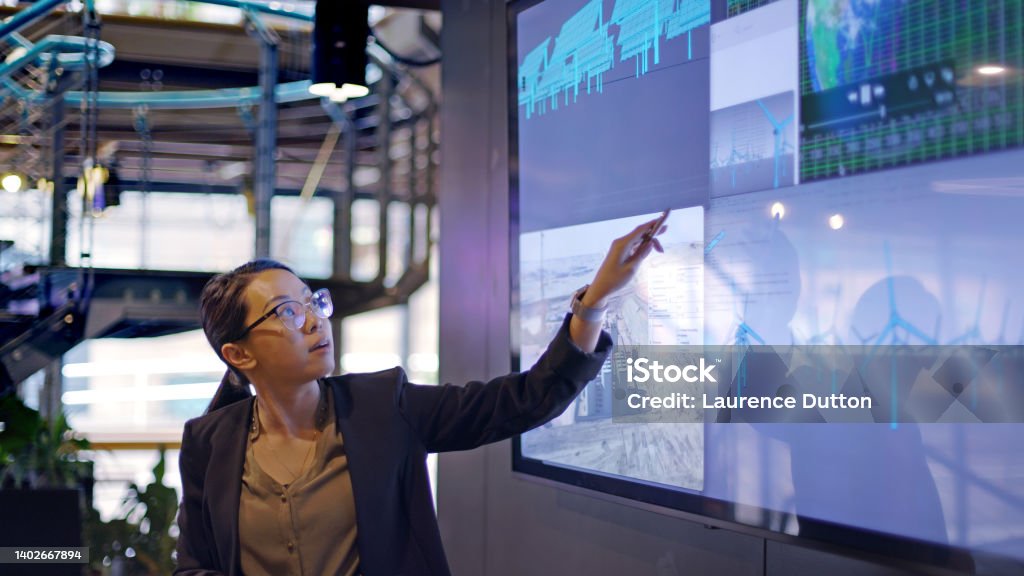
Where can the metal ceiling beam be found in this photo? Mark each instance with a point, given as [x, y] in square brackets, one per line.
[266, 132]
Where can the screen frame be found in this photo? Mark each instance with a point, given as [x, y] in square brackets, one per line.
[846, 540]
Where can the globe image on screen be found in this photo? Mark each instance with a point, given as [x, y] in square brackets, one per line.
[841, 39]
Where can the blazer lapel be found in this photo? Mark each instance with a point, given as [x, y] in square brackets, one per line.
[224, 482]
[358, 461]
[227, 459]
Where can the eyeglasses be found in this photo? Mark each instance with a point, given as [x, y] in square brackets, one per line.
[292, 313]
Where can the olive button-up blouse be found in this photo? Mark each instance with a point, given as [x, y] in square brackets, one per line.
[306, 527]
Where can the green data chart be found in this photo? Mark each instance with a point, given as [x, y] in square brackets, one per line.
[737, 7]
[890, 82]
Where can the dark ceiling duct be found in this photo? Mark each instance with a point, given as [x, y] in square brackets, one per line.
[340, 30]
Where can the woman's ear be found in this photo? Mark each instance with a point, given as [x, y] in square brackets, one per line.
[237, 356]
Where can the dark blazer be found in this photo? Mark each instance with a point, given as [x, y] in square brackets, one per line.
[388, 426]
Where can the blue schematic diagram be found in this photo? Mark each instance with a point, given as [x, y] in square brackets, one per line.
[642, 23]
[583, 52]
[529, 75]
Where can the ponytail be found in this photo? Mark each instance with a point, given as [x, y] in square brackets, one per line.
[234, 387]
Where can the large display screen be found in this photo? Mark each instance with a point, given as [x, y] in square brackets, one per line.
[841, 173]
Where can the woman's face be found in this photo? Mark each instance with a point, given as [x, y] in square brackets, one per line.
[283, 355]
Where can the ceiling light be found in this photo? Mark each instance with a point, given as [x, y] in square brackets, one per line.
[347, 91]
[12, 182]
[991, 70]
[340, 30]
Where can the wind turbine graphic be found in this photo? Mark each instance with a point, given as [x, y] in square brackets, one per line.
[780, 136]
[896, 321]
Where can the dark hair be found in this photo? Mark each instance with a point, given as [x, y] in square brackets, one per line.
[222, 310]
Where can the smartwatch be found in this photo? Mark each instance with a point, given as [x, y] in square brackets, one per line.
[586, 312]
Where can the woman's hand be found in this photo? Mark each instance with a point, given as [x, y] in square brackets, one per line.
[618, 268]
[621, 263]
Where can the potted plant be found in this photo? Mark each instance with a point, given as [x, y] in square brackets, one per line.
[142, 540]
[44, 481]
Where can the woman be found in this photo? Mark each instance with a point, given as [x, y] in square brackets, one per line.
[327, 475]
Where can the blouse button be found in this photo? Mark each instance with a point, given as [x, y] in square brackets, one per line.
[284, 498]
[291, 546]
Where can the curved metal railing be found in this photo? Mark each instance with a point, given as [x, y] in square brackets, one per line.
[402, 134]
